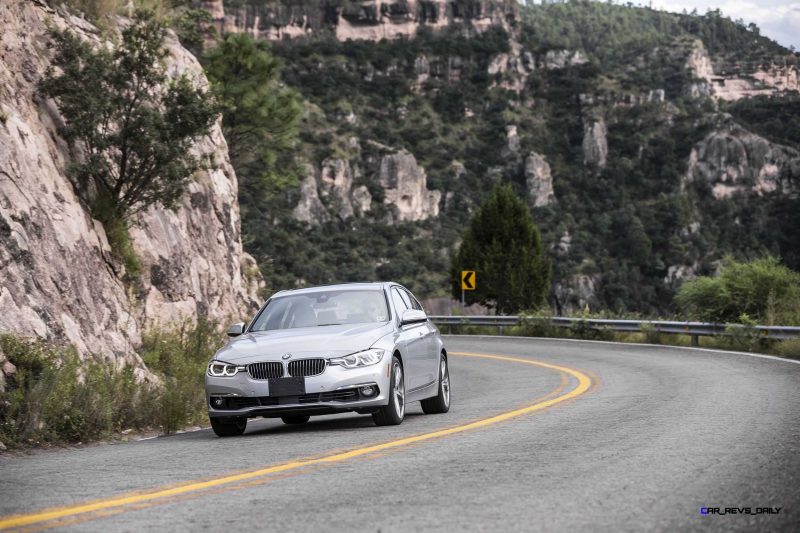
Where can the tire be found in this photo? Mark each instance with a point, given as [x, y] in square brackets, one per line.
[298, 419]
[441, 402]
[392, 414]
[228, 428]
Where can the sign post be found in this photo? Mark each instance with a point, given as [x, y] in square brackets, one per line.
[467, 284]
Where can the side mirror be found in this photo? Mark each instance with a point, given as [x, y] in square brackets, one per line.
[413, 316]
[236, 329]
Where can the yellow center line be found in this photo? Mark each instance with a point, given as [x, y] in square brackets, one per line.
[583, 384]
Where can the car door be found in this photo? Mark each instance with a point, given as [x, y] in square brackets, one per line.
[430, 363]
[412, 341]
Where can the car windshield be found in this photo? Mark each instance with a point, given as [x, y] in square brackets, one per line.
[323, 308]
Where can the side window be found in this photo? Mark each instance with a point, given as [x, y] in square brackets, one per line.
[406, 298]
[414, 303]
[398, 302]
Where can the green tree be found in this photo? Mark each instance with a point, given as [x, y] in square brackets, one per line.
[129, 124]
[260, 115]
[504, 246]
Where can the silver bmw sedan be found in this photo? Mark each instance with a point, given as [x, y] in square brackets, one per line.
[363, 347]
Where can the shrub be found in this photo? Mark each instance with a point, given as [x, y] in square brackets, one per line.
[763, 290]
[180, 356]
[57, 398]
[788, 348]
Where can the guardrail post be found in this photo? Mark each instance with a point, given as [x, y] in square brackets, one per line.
[695, 341]
[500, 327]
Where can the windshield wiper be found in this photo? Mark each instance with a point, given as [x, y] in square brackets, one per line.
[331, 324]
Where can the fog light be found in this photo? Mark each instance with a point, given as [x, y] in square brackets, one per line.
[217, 401]
[368, 391]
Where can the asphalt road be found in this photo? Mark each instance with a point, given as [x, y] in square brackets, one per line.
[660, 433]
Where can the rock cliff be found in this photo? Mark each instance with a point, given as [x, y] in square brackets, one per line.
[59, 279]
[370, 20]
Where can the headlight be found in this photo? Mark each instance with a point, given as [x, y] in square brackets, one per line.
[220, 369]
[354, 360]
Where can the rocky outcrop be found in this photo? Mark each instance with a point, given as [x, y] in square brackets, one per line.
[7, 371]
[539, 180]
[577, 293]
[595, 144]
[733, 160]
[512, 140]
[336, 185]
[744, 81]
[371, 20]
[677, 274]
[406, 188]
[59, 278]
[331, 195]
[557, 59]
[310, 208]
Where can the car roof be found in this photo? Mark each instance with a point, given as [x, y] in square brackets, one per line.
[372, 285]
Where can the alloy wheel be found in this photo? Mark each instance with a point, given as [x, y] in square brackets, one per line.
[399, 394]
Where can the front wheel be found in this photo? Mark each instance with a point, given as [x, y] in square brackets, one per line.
[228, 428]
[392, 414]
[441, 402]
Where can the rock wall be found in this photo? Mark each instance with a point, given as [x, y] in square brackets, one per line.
[370, 20]
[733, 160]
[59, 279]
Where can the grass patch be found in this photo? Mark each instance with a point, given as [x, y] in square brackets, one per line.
[56, 398]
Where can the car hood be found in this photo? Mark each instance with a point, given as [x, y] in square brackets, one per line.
[318, 341]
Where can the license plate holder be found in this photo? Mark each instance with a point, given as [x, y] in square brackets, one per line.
[289, 386]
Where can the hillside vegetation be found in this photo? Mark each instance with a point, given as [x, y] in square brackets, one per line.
[622, 232]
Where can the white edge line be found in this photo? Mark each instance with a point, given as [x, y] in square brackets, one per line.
[710, 350]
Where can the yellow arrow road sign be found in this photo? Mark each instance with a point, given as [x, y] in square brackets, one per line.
[468, 280]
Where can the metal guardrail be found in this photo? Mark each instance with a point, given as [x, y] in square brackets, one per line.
[695, 329]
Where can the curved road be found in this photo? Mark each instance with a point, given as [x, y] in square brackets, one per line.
[616, 438]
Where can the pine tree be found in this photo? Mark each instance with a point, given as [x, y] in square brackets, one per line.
[260, 115]
[503, 245]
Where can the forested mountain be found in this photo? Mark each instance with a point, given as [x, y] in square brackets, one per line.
[648, 145]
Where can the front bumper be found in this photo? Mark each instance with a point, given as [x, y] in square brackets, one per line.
[329, 392]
